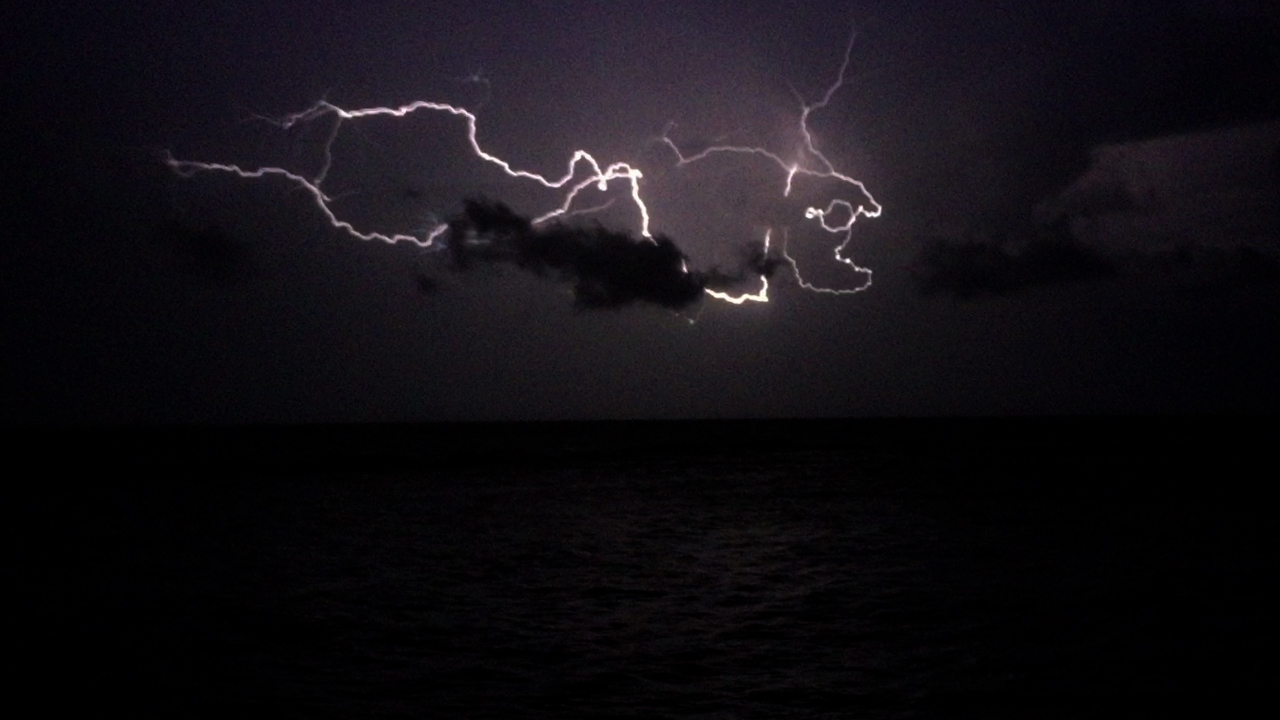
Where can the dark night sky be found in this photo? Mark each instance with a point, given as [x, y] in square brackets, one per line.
[130, 294]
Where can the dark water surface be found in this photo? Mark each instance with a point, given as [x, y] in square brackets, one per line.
[878, 569]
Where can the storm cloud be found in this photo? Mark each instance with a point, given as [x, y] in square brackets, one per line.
[973, 268]
[607, 268]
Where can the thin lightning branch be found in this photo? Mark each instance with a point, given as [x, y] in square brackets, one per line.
[762, 296]
[584, 211]
[574, 179]
[868, 207]
[822, 290]
[187, 168]
[600, 177]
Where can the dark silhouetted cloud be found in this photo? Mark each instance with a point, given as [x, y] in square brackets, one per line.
[607, 268]
[973, 268]
[1214, 270]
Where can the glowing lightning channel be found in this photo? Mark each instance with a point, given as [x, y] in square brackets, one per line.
[573, 181]
[598, 176]
[826, 169]
[762, 296]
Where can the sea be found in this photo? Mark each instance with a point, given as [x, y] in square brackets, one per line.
[717, 569]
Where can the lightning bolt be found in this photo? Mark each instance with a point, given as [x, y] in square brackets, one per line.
[866, 207]
[598, 176]
[582, 171]
[762, 296]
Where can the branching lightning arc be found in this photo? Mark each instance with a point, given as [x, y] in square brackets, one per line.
[583, 171]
